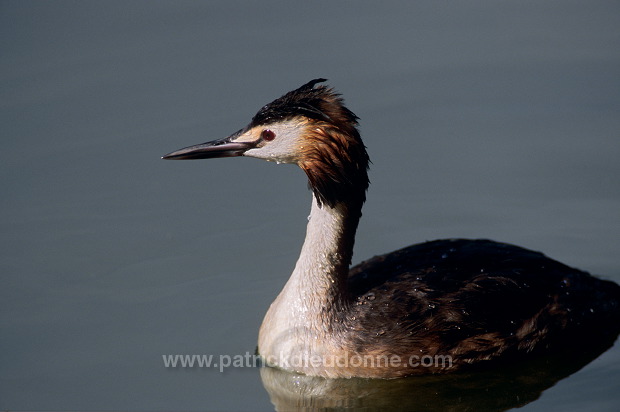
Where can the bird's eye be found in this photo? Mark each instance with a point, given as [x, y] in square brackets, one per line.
[268, 135]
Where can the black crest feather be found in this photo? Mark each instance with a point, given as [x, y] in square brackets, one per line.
[303, 101]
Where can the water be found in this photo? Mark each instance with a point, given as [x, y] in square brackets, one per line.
[483, 119]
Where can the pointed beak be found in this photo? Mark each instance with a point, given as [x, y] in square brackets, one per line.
[217, 148]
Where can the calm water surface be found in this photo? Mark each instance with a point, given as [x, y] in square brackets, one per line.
[485, 119]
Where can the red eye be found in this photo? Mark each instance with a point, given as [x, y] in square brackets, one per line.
[268, 135]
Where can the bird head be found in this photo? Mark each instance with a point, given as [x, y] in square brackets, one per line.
[309, 126]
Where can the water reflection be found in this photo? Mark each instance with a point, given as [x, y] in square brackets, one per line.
[503, 388]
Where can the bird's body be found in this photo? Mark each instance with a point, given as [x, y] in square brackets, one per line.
[434, 307]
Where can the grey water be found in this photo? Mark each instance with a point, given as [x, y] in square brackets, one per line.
[482, 119]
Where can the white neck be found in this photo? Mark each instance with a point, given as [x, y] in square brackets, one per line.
[300, 320]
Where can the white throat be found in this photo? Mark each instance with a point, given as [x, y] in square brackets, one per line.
[300, 320]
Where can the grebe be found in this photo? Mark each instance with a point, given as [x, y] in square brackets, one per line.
[469, 301]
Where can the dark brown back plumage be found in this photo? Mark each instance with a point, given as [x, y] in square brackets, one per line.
[478, 300]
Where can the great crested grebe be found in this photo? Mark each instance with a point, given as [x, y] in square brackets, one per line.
[466, 301]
